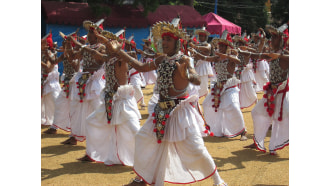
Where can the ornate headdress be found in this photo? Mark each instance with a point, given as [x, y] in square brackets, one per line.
[49, 39]
[202, 31]
[277, 31]
[130, 41]
[110, 35]
[161, 29]
[222, 40]
[73, 34]
[148, 40]
[241, 39]
[89, 25]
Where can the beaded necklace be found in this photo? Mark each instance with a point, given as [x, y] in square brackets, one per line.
[164, 107]
[110, 85]
[165, 80]
[68, 71]
[240, 66]
[88, 60]
[277, 74]
[222, 77]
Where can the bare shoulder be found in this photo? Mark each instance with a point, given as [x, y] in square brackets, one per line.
[159, 59]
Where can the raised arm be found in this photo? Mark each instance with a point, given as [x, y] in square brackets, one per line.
[199, 56]
[71, 53]
[187, 72]
[205, 50]
[231, 58]
[115, 47]
[145, 54]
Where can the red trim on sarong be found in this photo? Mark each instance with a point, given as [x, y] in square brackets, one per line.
[250, 105]
[177, 182]
[257, 146]
[129, 78]
[232, 136]
[62, 128]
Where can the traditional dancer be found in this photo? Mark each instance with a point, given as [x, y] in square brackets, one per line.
[260, 66]
[171, 138]
[62, 103]
[221, 106]
[202, 67]
[147, 55]
[50, 87]
[247, 94]
[136, 78]
[89, 82]
[273, 108]
[111, 129]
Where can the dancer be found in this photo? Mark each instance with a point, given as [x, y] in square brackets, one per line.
[50, 87]
[203, 68]
[62, 103]
[221, 106]
[111, 128]
[148, 55]
[136, 78]
[273, 108]
[89, 82]
[171, 138]
[247, 94]
[260, 66]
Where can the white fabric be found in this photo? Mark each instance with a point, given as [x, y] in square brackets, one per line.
[137, 80]
[62, 108]
[260, 75]
[280, 129]
[114, 143]
[203, 68]
[48, 108]
[151, 76]
[247, 95]
[182, 156]
[93, 88]
[204, 90]
[51, 90]
[228, 120]
[80, 110]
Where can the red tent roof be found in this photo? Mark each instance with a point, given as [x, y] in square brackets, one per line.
[217, 24]
[71, 13]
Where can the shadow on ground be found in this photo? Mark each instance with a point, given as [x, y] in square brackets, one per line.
[83, 167]
[246, 155]
[57, 150]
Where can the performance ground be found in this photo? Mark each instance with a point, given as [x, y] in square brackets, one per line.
[236, 165]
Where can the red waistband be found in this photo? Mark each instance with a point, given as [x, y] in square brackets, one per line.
[183, 97]
[231, 87]
[136, 72]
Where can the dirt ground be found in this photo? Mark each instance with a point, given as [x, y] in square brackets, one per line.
[236, 165]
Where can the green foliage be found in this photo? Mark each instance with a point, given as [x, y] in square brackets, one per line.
[98, 8]
[280, 12]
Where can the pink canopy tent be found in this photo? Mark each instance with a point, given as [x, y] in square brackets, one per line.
[217, 24]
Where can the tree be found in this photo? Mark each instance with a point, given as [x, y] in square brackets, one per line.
[280, 12]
